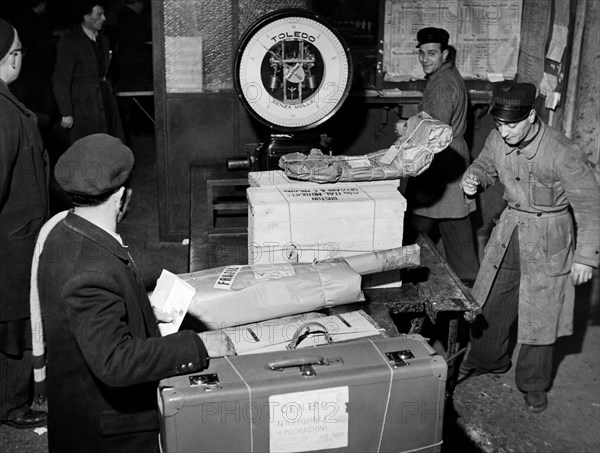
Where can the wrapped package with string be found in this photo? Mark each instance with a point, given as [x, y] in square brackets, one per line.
[420, 138]
[234, 295]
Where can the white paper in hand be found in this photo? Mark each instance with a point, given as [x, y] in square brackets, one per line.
[172, 295]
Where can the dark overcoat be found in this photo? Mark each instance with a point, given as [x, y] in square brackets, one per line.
[23, 202]
[78, 84]
[105, 354]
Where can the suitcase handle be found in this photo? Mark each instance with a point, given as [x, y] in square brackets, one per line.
[302, 360]
[298, 336]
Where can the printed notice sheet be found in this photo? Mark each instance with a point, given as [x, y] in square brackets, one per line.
[183, 64]
[485, 33]
[536, 17]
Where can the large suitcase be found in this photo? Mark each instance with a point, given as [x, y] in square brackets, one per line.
[382, 395]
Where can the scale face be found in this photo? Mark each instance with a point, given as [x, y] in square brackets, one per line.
[292, 70]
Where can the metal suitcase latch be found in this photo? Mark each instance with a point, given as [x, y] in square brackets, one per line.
[210, 382]
[398, 358]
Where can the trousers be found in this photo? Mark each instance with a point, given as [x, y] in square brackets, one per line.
[490, 338]
[458, 239]
[16, 368]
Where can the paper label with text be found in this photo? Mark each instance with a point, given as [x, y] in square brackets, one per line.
[227, 276]
[309, 421]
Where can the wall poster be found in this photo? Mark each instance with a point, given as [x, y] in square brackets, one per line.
[485, 33]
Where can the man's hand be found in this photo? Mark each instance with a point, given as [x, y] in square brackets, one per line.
[469, 183]
[162, 316]
[581, 273]
[400, 127]
[66, 122]
[217, 343]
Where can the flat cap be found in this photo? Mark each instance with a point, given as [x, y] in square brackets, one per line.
[512, 102]
[94, 165]
[431, 34]
[7, 37]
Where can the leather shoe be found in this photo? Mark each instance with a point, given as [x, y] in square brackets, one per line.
[30, 419]
[466, 370]
[536, 401]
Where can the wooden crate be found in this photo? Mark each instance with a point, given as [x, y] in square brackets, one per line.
[304, 222]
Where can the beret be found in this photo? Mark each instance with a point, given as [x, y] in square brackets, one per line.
[431, 34]
[512, 102]
[94, 165]
[7, 37]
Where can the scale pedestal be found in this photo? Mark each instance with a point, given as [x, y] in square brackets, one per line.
[265, 156]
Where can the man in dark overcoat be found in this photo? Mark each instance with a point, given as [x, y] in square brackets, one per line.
[104, 350]
[435, 197]
[81, 79]
[23, 210]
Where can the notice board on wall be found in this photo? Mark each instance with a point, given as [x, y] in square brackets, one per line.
[485, 33]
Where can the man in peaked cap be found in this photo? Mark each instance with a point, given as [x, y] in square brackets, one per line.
[104, 350]
[23, 210]
[534, 258]
[435, 198]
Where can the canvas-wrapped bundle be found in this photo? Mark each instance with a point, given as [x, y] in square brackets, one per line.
[241, 294]
[421, 137]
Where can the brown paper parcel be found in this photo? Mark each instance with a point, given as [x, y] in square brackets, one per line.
[241, 294]
[421, 137]
[234, 295]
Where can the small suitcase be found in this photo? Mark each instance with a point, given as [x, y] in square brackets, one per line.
[382, 395]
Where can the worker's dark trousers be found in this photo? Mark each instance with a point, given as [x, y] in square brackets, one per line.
[490, 338]
[459, 243]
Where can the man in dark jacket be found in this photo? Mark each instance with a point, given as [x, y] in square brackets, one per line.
[435, 197]
[23, 210]
[81, 79]
[104, 349]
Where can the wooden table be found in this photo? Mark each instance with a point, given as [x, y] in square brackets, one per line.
[218, 237]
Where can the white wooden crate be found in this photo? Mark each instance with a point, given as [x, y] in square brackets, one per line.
[304, 222]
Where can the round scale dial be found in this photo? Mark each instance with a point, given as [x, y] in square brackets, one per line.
[292, 70]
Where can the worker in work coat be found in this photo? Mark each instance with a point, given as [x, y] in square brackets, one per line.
[550, 174]
[533, 258]
[435, 197]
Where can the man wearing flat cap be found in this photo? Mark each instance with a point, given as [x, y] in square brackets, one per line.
[104, 349]
[435, 198]
[23, 210]
[534, 258]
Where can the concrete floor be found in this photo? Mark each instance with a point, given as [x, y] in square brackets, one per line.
[487, 412]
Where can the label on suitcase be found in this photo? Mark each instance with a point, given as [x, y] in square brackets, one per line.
[383, 395]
